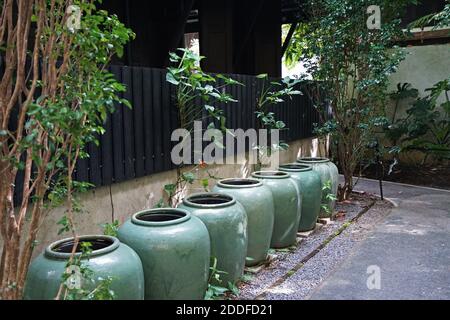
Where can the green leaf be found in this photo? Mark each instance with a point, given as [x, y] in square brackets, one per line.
[170, 189]
[209, 108]
[189, 177]
[171, 79]
[205, 183]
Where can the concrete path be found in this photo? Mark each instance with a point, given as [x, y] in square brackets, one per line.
[409, 250]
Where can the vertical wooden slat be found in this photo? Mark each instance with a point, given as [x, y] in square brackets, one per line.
[128, 125]
[107, 163]
[228, 107]
[174, 118]
[250, 109]
[138, 113]
[82, 170]
[117, 132]
[244, 103]
[157, 120]
[95, 171]
[301, 114]
[289, 121]
[235, 111]
[147, 83]
[166, 113]
[240, 98]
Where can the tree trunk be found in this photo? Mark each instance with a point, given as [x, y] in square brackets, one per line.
[347, 188]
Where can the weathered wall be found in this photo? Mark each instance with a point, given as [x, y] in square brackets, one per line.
[121, 200]
[423, 67]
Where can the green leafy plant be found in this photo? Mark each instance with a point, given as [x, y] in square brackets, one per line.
[436, 20]
[233, 289]
[110, 229]
[192, 83]
[329, 196]
[350, 66]
[426, 127]
[215, 291]
[56, 93]
[272, 93]
[247, 277]
[431, 131]
[196, 92]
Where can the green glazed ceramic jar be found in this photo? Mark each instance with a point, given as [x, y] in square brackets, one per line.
[175, 252]
[310, 187]
[328, 172]
[287, 204]
[258, 204]
[226, 222]
[109, 258]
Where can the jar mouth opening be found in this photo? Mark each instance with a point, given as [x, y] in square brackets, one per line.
[95, 244]
[271, 174]
[160, 217]
[239, 182]
[295, 167]
[99, 244]
[313, 159]
[209, 200]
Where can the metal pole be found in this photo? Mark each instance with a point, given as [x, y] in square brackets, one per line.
[380, 172]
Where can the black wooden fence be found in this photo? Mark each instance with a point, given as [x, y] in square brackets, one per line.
[137, 141]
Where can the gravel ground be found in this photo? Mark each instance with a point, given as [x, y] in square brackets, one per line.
[295, 274]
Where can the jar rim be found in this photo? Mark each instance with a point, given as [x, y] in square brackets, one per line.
[313, 160]
[273, 174]
[239, 183]
[295, 167]
[160, 217]
[216, 200]
[105, 243]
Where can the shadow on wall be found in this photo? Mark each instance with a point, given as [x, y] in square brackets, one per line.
[314, 148]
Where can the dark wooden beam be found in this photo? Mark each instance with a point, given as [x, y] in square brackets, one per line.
[128, 46]
[181, 24]
[288, 38]
[248, 34]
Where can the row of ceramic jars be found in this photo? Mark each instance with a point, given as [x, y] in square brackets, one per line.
[236, 224]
